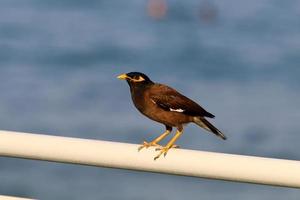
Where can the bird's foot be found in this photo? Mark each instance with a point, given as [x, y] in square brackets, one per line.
[173, 146]
[148, 144]
[164, 150]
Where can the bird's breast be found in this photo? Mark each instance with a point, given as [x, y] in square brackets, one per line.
[139, 102]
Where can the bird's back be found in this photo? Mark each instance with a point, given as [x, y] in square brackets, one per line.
[169, 99]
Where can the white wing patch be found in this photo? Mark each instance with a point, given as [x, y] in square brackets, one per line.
[153, 101]
[171, 109]
[176, 110]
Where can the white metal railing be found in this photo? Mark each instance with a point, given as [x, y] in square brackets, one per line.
[250, 169]
[2, 197]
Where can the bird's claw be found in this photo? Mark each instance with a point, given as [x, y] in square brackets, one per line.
[148, 144]
[161, 147]
[163, 150]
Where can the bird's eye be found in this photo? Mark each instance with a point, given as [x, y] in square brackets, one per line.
[138, 79]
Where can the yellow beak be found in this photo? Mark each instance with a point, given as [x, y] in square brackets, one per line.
[122, 76]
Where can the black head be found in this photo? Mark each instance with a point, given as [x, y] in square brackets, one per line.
[136, 78]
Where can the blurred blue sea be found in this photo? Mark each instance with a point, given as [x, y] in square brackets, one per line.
[59, 61]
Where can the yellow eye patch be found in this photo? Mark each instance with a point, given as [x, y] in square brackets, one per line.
[140, 79]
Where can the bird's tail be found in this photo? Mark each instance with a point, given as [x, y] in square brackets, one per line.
[202, 122]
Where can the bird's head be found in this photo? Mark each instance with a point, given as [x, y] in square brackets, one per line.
[135, 78]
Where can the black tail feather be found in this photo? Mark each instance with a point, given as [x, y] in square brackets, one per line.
[207, 114]
[202, 122]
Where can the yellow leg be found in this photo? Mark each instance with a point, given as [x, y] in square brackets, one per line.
[155, 141]
[164, 150]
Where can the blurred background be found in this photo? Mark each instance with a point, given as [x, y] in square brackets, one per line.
[59, 61]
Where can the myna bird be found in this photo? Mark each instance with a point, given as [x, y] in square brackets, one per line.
[165, 105]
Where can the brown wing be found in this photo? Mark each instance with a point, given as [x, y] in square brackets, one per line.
[170, 100]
